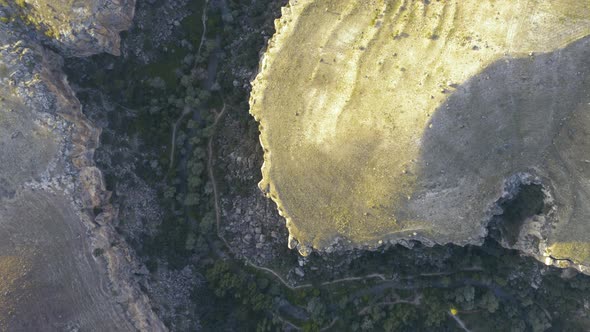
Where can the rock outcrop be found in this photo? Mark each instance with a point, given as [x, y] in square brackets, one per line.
[78, 28]
[63, 265]
[399, 121]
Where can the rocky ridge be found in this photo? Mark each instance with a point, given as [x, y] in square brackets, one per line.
[33, 80]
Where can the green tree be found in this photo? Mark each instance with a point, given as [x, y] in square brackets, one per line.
[317, 310]
[489, 302]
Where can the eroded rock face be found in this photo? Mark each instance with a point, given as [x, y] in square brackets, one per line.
[62, 264]
[79, 27]
[392, 121]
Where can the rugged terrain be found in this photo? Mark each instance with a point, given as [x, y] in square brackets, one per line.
[184, 219]
[63, 266]
[398, 121]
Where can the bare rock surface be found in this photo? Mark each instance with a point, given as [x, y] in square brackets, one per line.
[63, 267]
[395, 121]
[79, 28]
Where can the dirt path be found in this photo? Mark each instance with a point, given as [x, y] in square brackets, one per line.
[188, 110]
[217, 205]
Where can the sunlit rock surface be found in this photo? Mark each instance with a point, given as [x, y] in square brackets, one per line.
[78, 27]
[391, 121]
[62, 265]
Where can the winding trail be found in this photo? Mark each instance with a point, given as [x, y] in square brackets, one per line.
[217, 205]
[415, 301]
[187, 111]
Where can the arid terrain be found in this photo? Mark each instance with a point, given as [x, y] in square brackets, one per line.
[389, 122]
[429, 161]
[59, 269]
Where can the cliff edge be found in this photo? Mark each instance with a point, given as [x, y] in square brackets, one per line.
[389, 122]
[63, 265]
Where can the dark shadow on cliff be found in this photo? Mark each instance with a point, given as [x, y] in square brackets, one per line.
[510, 119]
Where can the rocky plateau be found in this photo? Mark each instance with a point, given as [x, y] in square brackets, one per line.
[395, 122]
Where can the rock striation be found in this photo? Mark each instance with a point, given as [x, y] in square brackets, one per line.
[388, 122]
[62, 263]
